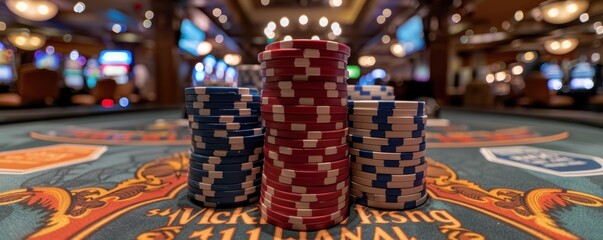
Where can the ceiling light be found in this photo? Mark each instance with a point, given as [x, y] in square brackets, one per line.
[561, 46]
[337, 31]
[397, 50]
[147, 23]
[584, 17]
[284, 22]
[335, 3]
[265, 2]
[518, 15]
[500, 76]
[149, 14]
[116, 28]
[385, 39]
[287, 38]
[2, 26]
[380, 19]
[595, 57]
[79, 7]
[271, 35]
[493, 29]
[26, 41]
[232, 59]
[386, 12]
[219, 38]
[204, 48]
[271, 25]
[335, 25]
[517, 70]
[366, 61]
[268, 31]
[315, 37]
[529, 56]
[599, 30]
[490, 78]
[563, 11]
[323, 22]
[40, 10]
[303, 19]
[456, 18]
[331, 36]
[216, 12]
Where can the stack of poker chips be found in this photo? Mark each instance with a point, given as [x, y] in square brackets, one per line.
[370, 92]
[226, 146]
[305, 185]
[387, 148]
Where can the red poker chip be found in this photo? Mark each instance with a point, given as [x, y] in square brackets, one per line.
[304, 118]
[301, 53]
[303, 62]
[309, 71]
[290, 173]
[321, 158]
[303, 212]
[307, 181]
[299, 227]
[309, 101]
[307, 134]
[306, 78]
[304, 205]
[293, 126]
[305, 197]
[344, 162]
[284, 85]
[303, 220]
[304, 189]
[305, 93]
[310, 43]
[333, 150]
[316, 110]
[305, 143]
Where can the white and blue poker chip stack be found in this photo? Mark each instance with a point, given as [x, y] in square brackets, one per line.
[226, 154]
[370, 92]
[387, 150]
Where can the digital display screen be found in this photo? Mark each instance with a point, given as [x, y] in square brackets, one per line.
[6, 74]
[115, 57]
[551, 71]
[555, 84]
[44, 60]
[190, 37]
[582, 76]
[410, 35]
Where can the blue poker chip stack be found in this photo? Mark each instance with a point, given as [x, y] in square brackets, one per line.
[387, 148]
[370, 92]
[227, 138]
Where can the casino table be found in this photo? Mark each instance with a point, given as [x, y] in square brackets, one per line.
[124, 177]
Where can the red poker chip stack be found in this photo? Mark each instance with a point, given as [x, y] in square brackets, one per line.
[305, 182]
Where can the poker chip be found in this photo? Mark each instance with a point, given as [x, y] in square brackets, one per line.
[289, 85]
[387, 198]
[392, 149]
[224, 119]
[387, 155]
[370, 92]
[305, 143]
[384, 184]
[308, 101]
[220, 90]
[300, 53]
[320, 166]
[226, 160]
[304, 93]
[304, 189]
[304, 118]
[224, 126]
[386, 163]
[388, 177]
[305, 78]
[389, 119]
[226, 133]
[388, 170]
[303, 212]
[386, 104]
[222, 98]
[303, 220]
[387, 134]
[212, 105]
[387, 191]
[305, 205]
[389, 205]
[309, 71]
[319, 158]
[310, 44]
[294, 173]
[385, 141]
[307, 181]
[386, 112]
[386, 127]
[300, 110]
[308, 134]
[303, 62]
[333, 150]
[270, 218]
[304, 197]
[293, 126]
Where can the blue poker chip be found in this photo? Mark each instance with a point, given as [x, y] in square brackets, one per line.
[226, 133]
[225, 126]
[385, 184]
[386, 126]
[229, 140]
[386, 155]
[212, 105]
[386, 104]
[391, 149]
[394, 142]
[362, 197]
[220, 111]
[385, 163]
[224, 194]
[223, 202]
[384, 134]
[222, 98]
[389, 170]
[359, 88]
[226, 167]
[220, 146]
[392, 177]
[225, 187]
[227, 153]
[224, 174]
[220, 90]
[203, 159]
[386, 112]
[224, 119]
[197, 176]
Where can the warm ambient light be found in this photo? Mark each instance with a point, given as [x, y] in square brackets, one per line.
[232, 59]
[366, 61]
[303, 19]
[26, 41]
[204, 48]
[323, 22]
[561, 46]
[397, 50]
[563, 11]
[315, 37]
[529, 56]
[284, 21]
[385, 39]
[79, 7]
[40, 10]
[335, 3]
[287, 38]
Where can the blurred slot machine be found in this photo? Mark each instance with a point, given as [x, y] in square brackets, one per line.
[72, 72]
[249, 76]
[7, 65]
[116, 64]
[554, 74]
[92, 72]
[582, 77]
[47, 59]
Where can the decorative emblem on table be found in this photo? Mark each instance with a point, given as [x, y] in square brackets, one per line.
[43, 158]
[564, 164]
[450, 138]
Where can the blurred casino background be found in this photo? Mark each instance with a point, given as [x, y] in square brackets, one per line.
[83, 57]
